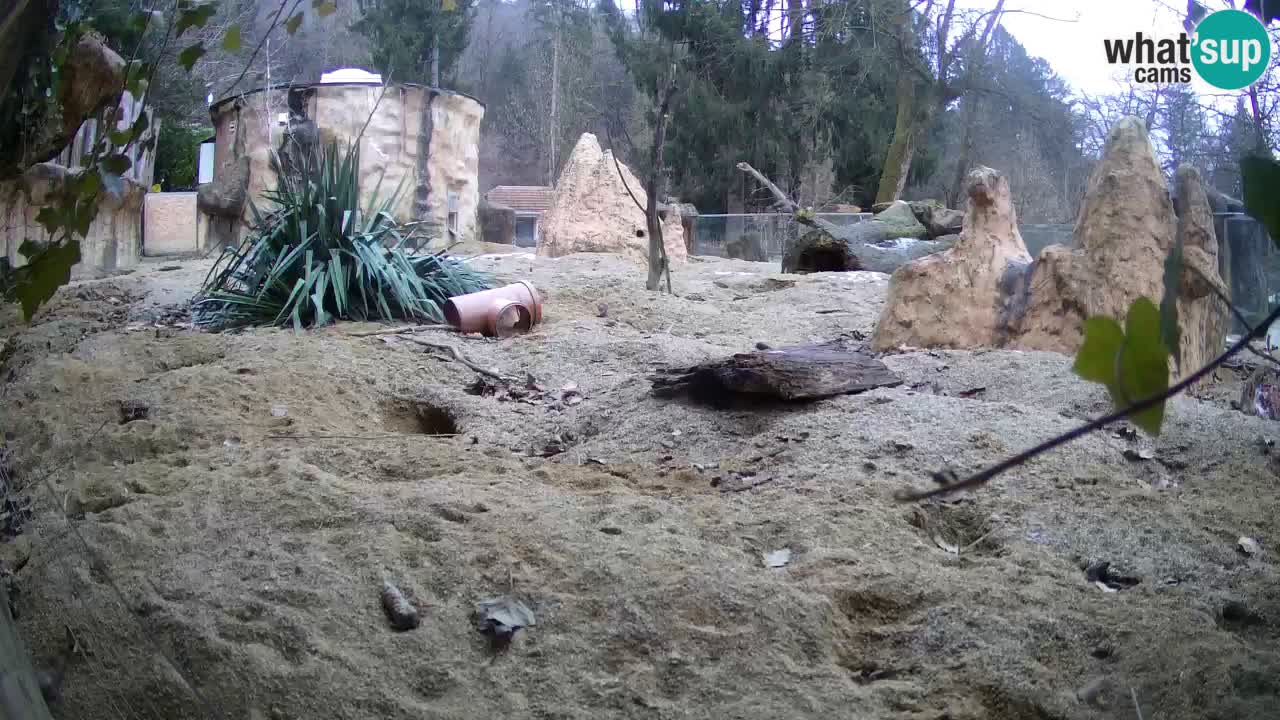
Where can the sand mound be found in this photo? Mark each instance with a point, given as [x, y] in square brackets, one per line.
[250, 515]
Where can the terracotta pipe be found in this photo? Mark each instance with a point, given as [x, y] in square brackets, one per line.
[472, 312]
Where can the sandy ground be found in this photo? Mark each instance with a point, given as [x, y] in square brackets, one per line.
[248, 493]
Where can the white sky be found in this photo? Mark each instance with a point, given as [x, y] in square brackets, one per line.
[1074, 49]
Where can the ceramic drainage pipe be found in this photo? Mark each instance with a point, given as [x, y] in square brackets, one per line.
[470, 313]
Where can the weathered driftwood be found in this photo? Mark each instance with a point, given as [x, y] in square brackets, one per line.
[801, 372]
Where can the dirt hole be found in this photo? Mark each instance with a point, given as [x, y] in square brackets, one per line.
[419, 417]
[827, 260]
[957, 529]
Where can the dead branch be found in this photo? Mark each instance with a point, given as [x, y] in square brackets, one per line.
[457, 355]
[399, 330]
[785, 202]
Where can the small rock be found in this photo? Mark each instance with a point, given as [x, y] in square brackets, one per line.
[1092, 691]
[1247, 546]
[1136, 455]
[777, 558]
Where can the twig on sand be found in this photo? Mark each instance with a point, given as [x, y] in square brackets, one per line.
[398, 330]
[746, 486]
[974, 544]
[456, 354]
[1136, 707]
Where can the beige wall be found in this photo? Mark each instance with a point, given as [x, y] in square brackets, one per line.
[390, 149]
[170, 224]
[114, 240]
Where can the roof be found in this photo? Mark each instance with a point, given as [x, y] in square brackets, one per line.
[522, 198]
[214, 109]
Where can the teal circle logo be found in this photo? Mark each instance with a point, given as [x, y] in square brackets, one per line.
[1231, 49]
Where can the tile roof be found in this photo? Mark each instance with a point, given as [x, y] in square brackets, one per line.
[522, 198]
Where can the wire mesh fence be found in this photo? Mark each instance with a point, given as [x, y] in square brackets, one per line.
[754, 236]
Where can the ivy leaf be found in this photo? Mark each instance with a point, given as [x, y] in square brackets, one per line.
[231, 39]
[1144, 363]
[194, 17]
[50, 218]
[1169, 331]
[188, 57]
[324, 8]
[47, 269]
[137, 85]
[121, 138]
[1132, 363]
[88, 183]
[1262, 192]
[449, 5]
[116, 164]
[1096, 359]
[291, 25]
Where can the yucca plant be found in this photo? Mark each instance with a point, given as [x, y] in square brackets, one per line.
[316, 256]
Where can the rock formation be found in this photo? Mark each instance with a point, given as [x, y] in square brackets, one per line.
[1201, 313]
[1123, 233]
[594, 212]
[937, 219]
[898, 221]
[961, 297]
[983, 291]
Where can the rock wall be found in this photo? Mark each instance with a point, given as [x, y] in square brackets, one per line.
[984, 292]
[114, 240]
[593, 212]
[419, 142]
[959, 298]
[1123, 234]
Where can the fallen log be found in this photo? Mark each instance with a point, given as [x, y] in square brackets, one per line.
[800, 372]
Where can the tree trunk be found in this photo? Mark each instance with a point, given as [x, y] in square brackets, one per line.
[554, 140]
[657, 250]
[968, 118]
[897, 162]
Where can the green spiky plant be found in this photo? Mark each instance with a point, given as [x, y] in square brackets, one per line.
[315, 256]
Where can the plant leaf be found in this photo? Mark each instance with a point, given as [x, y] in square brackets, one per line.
[1133, 362]
[1096, 359]
[324, 8]
[231, 39]
[46, 271]
[194, 17]
[1262, 192]
[292, 24]
[188, 57]
[1144, 363]
[117, 165]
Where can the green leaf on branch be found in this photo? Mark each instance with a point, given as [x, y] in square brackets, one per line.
[292, 24]
[324, 8]
[194, 17]
[1262, 192]
[1133, 362]
[120, 138]
[116, 164]
[231, 39]
[50, 218]
[188, 57]
[47, 269]
[1169, 331]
